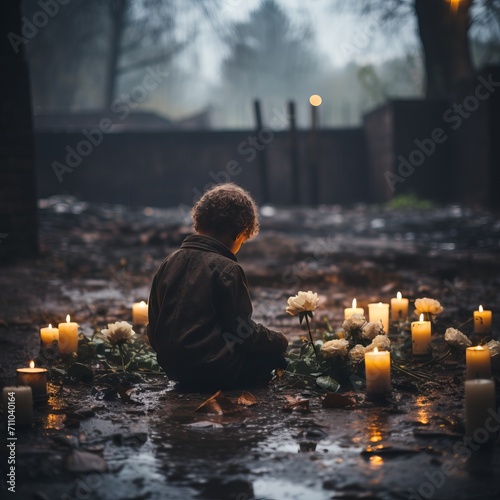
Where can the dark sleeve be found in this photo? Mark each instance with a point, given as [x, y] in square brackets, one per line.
[153, 313]
[237, 323]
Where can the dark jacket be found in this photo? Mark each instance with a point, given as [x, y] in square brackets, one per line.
[200, 315]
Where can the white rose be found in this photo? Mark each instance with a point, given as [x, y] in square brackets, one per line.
[371, 330]
[118, 332]
[354, 322]
[335, 348]
[494, 347]
[456, 338]
[381, 342]
[302, 302]
[357, 353]
[429, 306]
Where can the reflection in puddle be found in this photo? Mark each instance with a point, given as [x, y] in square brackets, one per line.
[376, 461]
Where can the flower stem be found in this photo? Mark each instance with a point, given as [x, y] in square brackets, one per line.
[311, 339]
[121, 356]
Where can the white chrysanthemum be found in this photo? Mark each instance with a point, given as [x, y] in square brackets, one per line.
[354, 322]
[371, 330]
[428, 306]
[357, 353]
[456, 338]
[381, 342]
[494, 347]
[118, 332]
[335, 348]
[302, 302]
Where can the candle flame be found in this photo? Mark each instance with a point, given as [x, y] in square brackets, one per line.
[32, 364]
[50, 325]
[480, 309]
[421, 317]
[375, 350]
[478, 348]
[398, 296]
[143, 303]
[67, 318]
[354, 303]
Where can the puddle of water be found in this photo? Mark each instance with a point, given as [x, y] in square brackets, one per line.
[271, 489]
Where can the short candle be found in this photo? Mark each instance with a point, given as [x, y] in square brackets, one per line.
[478, 362]
[68, 336]
[378, 372]
[379, 313]
[36, 378]
[140, 313]
[482, 321]
[479, 407]
[48, 335]
[349, 311]
[20, 401]
[399, 307]
[420, 336]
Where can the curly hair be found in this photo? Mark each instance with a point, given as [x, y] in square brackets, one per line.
[226, 208]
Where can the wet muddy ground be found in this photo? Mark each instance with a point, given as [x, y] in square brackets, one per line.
[150, 442]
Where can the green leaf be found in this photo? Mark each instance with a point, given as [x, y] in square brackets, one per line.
[328, 383]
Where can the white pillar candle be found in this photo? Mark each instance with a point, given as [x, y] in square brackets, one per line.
[68, 336]
[36, 378]
[379, 313]
[479, 406]
[478, 362]
[17, 406]
[482, 321]
[399, 307]
[420, 336]
[140, 313]
[378, 372]
[49, 335]
[349, 311]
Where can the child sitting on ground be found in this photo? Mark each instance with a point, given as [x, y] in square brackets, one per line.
[200, 312]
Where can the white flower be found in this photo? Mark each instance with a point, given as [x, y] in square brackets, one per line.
[357, 353]
[456, 338]
[302, 302]
[494, 347]
[335, 348]
[371, 330]
[429, 306]
[381, 342]
[118, 333]
[354, 322]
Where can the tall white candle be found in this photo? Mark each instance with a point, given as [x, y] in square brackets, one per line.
[378, 372]
[17, 405]
[478, 362]
[399, 307]
[349, 311]
[68, 336]
[140, 313]
[420, 336]
[479, 405]
[379, 313]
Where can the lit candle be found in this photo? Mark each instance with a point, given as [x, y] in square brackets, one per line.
[420, 336]
[349, 311]
[68, 336]
[478, 361]
[479, 406]
[379, 313]
[140, 313]
[36, 378]
[17, 406]
[399, 307]
[482, 321]
[378, 372]
[48, 335]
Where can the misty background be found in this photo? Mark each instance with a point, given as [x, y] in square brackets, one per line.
[220, 55]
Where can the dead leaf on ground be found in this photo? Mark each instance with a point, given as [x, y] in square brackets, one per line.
[334, 400]
[218, 404]
[296, 404]
[247, 399]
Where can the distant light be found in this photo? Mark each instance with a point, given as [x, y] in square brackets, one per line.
[315, 100]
